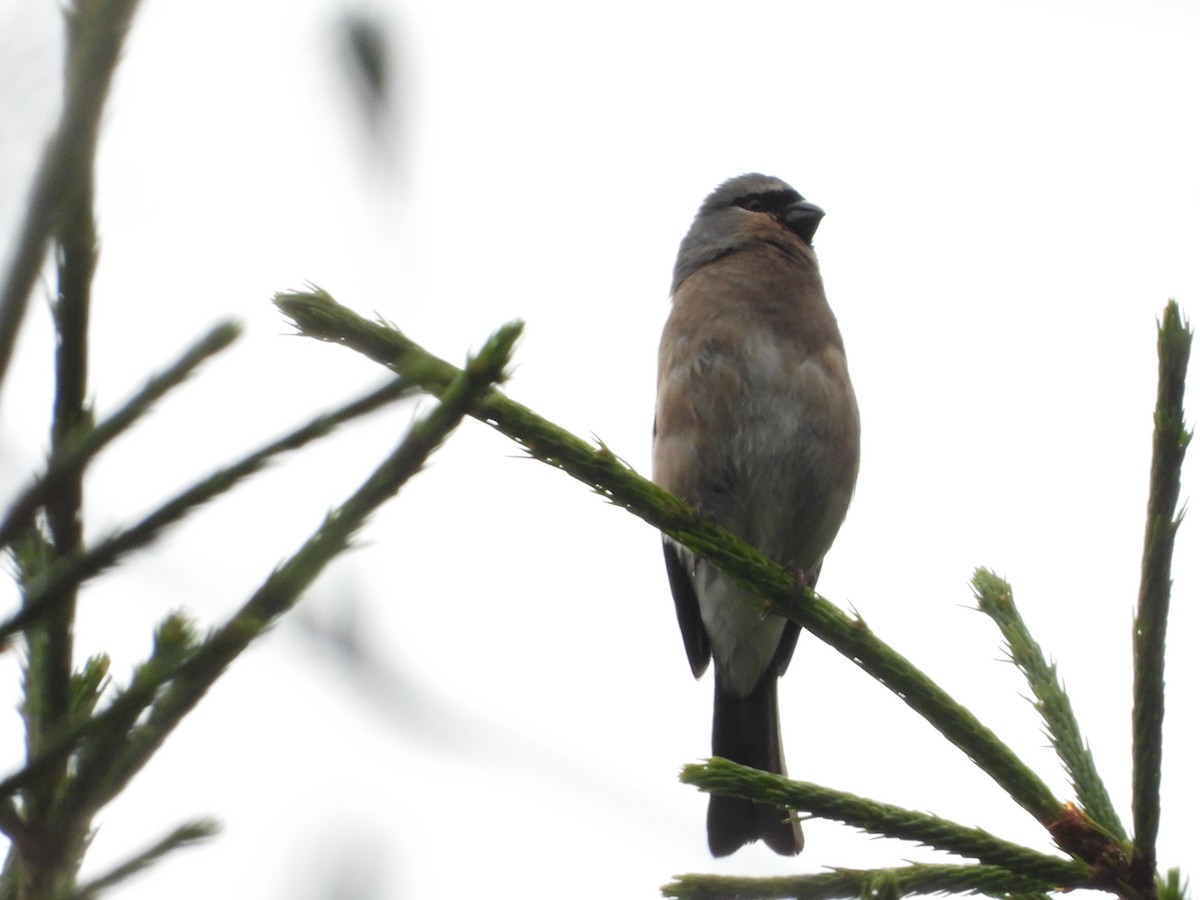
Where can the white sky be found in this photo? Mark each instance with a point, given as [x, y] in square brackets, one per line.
[1012, 195]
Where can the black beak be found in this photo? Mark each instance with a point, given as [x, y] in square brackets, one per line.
[803, 218]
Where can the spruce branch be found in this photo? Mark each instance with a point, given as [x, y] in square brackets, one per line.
[1170, 443]
[994, 597]
[1173, 887]
[110, 727]
[60, 210]
[721, 776]
[70, 458]
[12, 824]
[853, 884]
[184, 836]
[96, 31]
[316, 314]
[103, 738]
[92, 737]
[47, 589]
[73, 229]
[182, 689]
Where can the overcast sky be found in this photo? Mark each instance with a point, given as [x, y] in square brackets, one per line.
[1011, 193]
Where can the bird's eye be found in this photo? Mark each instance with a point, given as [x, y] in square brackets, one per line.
[754, 204]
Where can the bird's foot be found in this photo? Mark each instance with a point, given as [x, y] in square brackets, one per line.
[806, 580]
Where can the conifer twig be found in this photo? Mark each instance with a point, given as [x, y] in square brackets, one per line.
[994, 597]
[1170, 443]
[69, 460]
[60, 210]
[721, 776]
[852, 884]
[110, 726]
[42, 592]
[187, 684]
[183, 836]
[96, 31]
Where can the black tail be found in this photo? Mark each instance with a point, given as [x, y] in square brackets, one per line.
[746, 730]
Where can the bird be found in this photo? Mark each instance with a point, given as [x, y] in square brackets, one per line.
[756, 425]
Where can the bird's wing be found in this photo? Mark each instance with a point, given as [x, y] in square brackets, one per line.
[687, 609]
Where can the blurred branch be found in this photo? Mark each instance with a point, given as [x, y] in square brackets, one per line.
[172, 639]
[44, 592]
[96, 33]
[70, 458]
[1150, 627]
[173, 635]
[60, 210]
[183, 836]
[1173, 887]
[106, 749]
[182, 688]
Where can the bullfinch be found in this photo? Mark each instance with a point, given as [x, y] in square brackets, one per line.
[756, 425]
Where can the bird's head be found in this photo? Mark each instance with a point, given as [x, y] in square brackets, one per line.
[741, 211]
